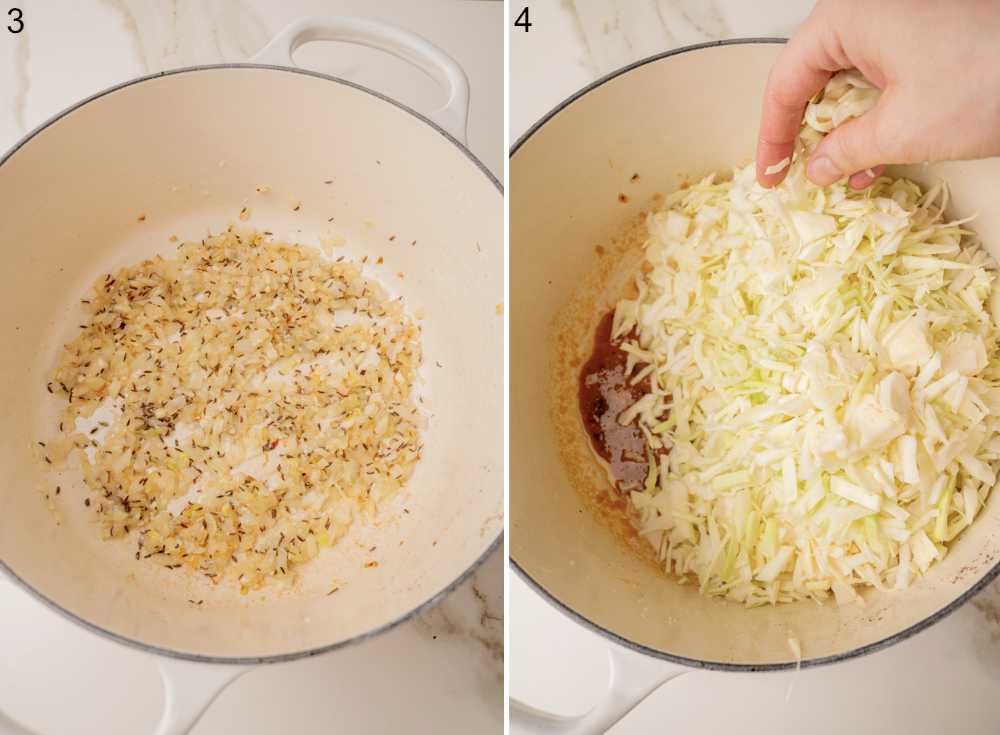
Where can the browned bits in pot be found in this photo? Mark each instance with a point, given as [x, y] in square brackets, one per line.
[604, 393]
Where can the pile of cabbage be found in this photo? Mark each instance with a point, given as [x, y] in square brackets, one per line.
[824, 371]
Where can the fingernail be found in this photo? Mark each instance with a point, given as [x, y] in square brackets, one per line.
[822, 172]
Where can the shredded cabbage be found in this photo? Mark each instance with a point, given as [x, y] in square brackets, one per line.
[824, 371]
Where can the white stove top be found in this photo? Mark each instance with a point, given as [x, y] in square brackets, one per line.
[440, 673]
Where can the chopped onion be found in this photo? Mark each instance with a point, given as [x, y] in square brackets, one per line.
[245, 425]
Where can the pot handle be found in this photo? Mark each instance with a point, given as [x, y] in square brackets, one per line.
[408, 46]
[189, 688]
[632, 678]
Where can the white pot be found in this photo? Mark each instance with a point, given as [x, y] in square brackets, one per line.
[187, 148]
[670, 118]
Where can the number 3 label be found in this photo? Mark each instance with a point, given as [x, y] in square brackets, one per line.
[16, 21]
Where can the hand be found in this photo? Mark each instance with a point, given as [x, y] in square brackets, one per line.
[937, 63]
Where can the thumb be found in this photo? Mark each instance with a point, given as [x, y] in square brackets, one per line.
[853, 146]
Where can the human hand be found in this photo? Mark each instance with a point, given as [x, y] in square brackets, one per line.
[937, 63]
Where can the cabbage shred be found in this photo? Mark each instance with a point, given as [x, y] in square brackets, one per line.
[824, 371]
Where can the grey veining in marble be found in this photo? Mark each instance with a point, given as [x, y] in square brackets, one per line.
[181, 32]
[22, 57]
[618, 32]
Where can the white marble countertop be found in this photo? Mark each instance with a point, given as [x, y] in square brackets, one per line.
[439, 673]
[942, 680]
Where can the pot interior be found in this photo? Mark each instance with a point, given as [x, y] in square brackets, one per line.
[187, 150]
[672, 119]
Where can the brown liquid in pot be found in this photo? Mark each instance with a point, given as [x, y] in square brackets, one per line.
[604, 392]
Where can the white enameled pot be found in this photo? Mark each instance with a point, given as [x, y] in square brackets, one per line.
[670, 118]
[187, 149]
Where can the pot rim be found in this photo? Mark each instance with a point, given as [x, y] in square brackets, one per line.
[281, 657]
[586, 622]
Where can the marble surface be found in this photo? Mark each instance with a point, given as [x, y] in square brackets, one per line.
[574, 42]
[73, 48]
[439, 673]
[942, 680]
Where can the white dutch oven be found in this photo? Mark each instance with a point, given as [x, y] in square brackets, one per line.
[668, 118]
[187, 149]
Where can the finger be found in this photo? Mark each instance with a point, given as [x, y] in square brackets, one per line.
[802, 69]
[864, 179]
[851, 146]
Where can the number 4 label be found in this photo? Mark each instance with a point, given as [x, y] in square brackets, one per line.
[523, 20]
